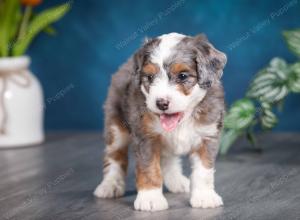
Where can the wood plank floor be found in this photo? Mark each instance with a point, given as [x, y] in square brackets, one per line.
[56, 179]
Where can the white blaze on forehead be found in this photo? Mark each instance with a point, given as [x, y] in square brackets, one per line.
[161, 88]
[164, 49]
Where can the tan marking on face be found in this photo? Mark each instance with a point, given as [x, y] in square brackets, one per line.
[149, 176]
[177, 68]
[181, 88]
[150, 68]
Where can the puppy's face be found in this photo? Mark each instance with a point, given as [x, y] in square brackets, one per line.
[175, 72]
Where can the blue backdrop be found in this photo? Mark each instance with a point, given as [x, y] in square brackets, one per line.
[95, 37]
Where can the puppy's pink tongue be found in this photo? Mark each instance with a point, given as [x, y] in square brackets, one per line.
[170, 121]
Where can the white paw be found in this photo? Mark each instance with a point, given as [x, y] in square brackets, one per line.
[178, 184]
[150, 200]
[205, 199]
[110, 188]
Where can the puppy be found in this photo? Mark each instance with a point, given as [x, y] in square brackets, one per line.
[166, 100]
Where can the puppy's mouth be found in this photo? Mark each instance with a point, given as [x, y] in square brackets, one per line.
[170, 121]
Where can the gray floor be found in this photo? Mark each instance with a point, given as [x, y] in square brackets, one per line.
[56, 180]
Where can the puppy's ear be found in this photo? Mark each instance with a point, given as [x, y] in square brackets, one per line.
[146, 40]
[138, 59]
[210, 61]
[200, 37]
[141, 54]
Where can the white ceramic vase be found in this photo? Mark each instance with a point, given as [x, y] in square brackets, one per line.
[21, 104]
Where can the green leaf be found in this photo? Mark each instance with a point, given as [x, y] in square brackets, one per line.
[228, 137]
[7, 24]
[39, 23]
[50, 30]
[268, 118]
[294, 78]
[292, 39]
[240, 115]
[278, 67]
[15, 22]
[271, 83]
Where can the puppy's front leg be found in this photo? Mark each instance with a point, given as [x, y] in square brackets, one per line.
[149, 178]
[203, 194]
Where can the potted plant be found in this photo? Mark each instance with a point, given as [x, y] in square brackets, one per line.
[265, 96]
[21, 97]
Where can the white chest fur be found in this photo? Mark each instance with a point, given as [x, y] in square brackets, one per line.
[186, 136]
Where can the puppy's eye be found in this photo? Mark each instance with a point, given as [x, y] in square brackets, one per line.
[150, 78]
[182, 76]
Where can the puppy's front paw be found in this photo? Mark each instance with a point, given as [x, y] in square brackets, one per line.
[205, 199]
[150, 200]
[110, 188]
[178, 184]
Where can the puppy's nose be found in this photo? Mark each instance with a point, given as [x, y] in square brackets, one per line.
[162, 104]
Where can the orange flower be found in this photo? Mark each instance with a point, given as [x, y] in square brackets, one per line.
[31, 2]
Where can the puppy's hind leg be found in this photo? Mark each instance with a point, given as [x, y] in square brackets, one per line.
[174, 180]
[115, 161]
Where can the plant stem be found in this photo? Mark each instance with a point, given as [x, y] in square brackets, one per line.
[228, 138]
[25, 21]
